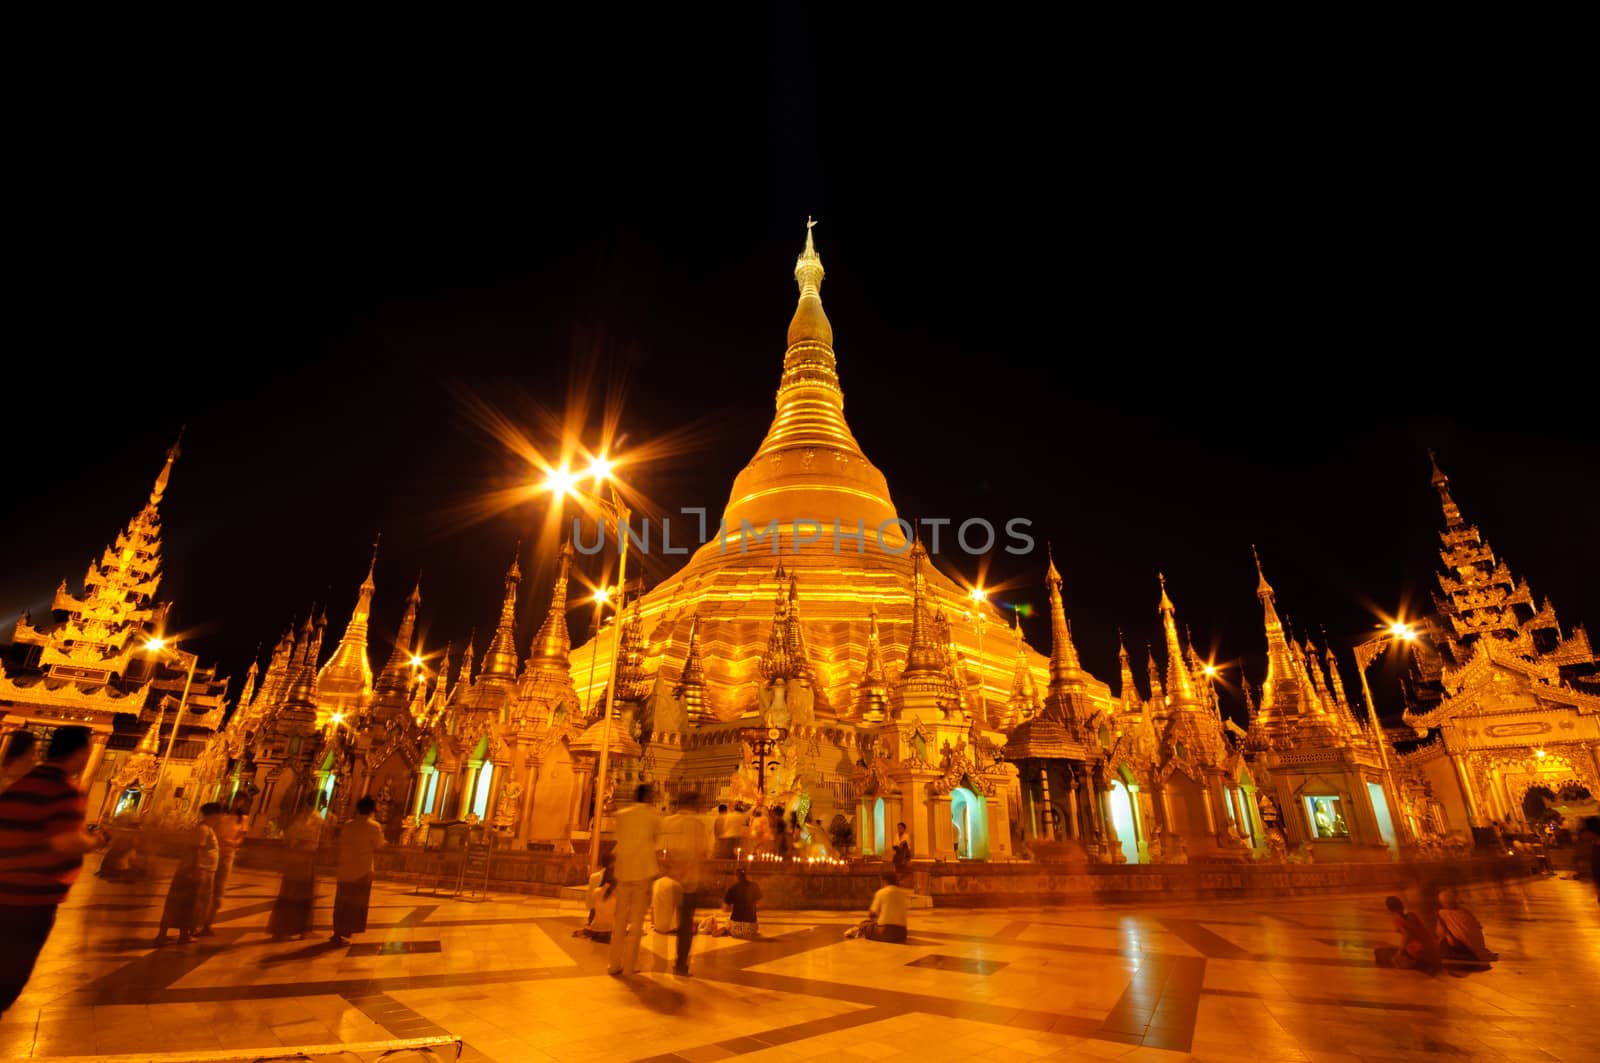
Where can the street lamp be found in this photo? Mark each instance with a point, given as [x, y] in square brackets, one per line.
[563, 482]
[1366, 653]
[160, 646]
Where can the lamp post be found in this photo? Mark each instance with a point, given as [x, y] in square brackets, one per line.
[979, 596]
[1366, 653]
[156, 646]
[563, 482]
[601, 597]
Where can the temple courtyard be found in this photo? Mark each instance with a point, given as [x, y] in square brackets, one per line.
[1277, 979]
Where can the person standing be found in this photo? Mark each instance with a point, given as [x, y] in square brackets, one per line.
[728, 833]
[191, 890]
[297, 891]
[636, 864]
[231, 830]
[359, 842]
[902, 851]
[683, 835]
[42, 842]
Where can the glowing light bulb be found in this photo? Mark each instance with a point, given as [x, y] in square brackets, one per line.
[155, 645]
[416, 662]
[600, 469]
[561, 481]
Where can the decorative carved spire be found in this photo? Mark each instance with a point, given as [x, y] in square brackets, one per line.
[810, 324]
[691, 688]
[785, 656]
[458, 693]
[872, 695]
[347, 677]
[1154, 671]
[1280, 691]
[394, 683]
[1128, 695]
[1180, 685]
[441, 689]
[1065, 668]
[632, 682]
[165, 474]
[1441, 483]
[553, 644]
[500, 659]
[924, 655]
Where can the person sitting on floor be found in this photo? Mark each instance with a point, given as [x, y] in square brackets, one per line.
[603, 910]
[666, 897]
[886, 919]
[1460, 933]
[1417, 951]
[740, 901]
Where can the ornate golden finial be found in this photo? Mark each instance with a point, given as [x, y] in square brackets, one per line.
[1441, 483]
[553, 642]
[810, 324]
[691, 686]
[500, 659]
[166, 470]
[1166, 603]
[1263, 588]
[1065, 668]
[1180, 684]
[924, 654]
[372, 567]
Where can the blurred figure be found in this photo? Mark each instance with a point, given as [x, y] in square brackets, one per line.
[123, 861]
[1591, 831]
[1460, 934]
[189, 894]
[637, 828]
[1417, 951]
[42, 842]
[359, 843]
[729, 831]
[666, 898]
[902, 850]
[19, 758]
[684, 836]
[297, 891]
[596, 881]
[231, 829]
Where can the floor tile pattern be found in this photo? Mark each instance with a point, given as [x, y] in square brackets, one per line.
[1281, 980]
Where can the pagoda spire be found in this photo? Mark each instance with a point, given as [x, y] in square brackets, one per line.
[923, 655]
[553, 644]
[633, 684]
[247, 691]
[500, 659]
[871, 693]
[347, 677]
[458, 693]
[1128, 694]
[1180, 684]
[441, 689]
[1065, 668]
[1280, 691]
[394, 683]
[165, 474]
[691, 688]
[1441, 484]
[809, 446]
[1154, 671]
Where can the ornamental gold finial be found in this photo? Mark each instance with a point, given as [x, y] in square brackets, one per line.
[166, 470]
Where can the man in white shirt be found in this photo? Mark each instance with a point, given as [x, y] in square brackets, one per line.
[887, 916]
[729, 831]
[638, 829]
[686, 840]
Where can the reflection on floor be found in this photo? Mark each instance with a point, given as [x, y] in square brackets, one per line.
[1284, 980]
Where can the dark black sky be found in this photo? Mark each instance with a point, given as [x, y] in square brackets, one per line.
[1163, 314]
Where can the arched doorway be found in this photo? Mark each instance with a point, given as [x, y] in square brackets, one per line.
[878, 839]
[1122, 819]
[969, 815]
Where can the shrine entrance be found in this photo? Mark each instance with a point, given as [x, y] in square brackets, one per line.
[1121, 802]
[969, 814]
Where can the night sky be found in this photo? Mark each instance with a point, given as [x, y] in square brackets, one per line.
[1161, 326]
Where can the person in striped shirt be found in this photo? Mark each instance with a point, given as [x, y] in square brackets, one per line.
[42, 842]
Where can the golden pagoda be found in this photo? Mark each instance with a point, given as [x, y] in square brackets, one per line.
[89, 663]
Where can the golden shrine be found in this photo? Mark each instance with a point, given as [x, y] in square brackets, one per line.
[91, 663]
[1507, 701]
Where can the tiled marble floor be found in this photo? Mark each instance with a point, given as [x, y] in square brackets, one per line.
[1283, 980]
